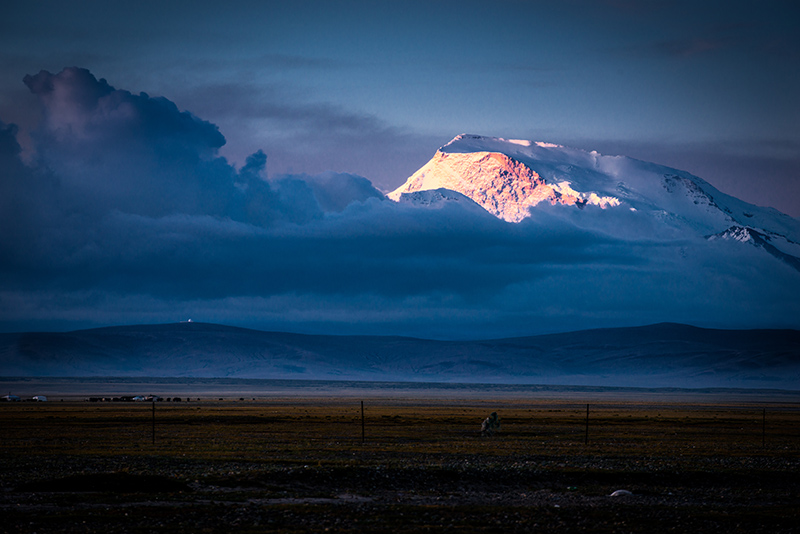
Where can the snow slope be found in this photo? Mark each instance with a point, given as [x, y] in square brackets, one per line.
[509, 178]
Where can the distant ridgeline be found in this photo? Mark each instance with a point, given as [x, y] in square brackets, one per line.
[663, 355]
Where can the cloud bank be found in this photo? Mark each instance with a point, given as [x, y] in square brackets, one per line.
[126, 213]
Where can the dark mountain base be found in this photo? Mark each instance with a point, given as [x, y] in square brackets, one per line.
[664, 355]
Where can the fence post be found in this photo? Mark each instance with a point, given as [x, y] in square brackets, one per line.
[764, 428]
[154, 421]
[362, 422]
[587, 424]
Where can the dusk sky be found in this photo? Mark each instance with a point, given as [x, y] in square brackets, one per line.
[214, 160]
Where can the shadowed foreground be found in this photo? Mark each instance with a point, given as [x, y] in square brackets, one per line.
[293, 465]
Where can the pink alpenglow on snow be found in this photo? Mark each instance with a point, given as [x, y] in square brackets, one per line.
[504, 186]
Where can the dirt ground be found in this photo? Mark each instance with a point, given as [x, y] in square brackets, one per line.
[314, 465]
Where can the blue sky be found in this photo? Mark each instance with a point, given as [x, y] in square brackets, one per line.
[168, 160]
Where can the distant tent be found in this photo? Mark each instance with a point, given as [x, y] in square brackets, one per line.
[10, 398]
[40, 398]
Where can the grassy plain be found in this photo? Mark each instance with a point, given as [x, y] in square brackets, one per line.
[308, 465]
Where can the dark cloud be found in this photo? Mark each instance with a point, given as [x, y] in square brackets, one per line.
[19, 194]
[126, 213]
[113, 150]
[320, 135]
[334, 192]
[244, 101]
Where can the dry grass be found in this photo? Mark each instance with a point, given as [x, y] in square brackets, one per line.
[289, 429]
[296, 465]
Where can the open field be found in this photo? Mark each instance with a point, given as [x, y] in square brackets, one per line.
[416, 465]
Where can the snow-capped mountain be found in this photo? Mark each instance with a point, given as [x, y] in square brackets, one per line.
[510, 177]
[440, 197]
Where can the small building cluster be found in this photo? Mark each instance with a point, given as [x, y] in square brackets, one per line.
[137, 398]
[16, 398]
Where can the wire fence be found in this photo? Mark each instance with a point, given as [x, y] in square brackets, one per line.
[243, 427]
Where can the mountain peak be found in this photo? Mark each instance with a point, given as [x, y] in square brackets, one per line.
[510, 178]
[468, 142]
[486, 170]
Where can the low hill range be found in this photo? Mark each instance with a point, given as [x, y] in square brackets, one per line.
[661, 355]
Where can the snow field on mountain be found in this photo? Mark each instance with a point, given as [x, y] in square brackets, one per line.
[513, 179]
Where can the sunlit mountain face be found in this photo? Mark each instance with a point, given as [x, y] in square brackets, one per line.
[512, 179]
[503, 185]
